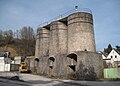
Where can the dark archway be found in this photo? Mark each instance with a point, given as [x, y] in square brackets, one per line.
[51, 61]
[36, 59]
[36, 64]
[72, 56]
[72, 61]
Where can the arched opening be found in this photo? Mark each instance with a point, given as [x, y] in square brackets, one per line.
[36, 59]
[72, 61]
[73, 58]
[51, 61]
[36, 64]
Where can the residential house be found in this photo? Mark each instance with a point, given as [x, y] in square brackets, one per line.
[112, 59]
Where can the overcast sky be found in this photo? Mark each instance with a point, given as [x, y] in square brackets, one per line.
[14, 14]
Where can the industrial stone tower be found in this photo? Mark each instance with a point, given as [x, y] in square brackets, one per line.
[81, 32]
[58, 38]
[42, 48]
[63, 45]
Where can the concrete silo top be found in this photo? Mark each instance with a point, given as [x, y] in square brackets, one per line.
[80, 17]
[79, 14]
[57, 25]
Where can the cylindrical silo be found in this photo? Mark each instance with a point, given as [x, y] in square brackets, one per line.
[43, 42]
[58, 38]
[43, 49]
[37, 44]
[81, 32]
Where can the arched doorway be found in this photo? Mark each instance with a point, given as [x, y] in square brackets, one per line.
[51, 61]
[72, 61]
[36, 65]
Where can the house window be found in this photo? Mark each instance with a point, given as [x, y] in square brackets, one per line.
[111, 56]
[115, 56]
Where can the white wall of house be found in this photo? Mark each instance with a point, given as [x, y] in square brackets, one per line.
[104, 57]
[108, 60]
[113, 59]
[114, 56]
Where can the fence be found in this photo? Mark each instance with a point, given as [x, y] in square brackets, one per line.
[112, 73]
[61, 16]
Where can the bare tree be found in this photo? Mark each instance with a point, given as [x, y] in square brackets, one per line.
[8, 37]
[23, 40]
[27, 37]
[1, 38]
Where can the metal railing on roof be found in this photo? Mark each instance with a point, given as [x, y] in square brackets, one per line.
[76, 9]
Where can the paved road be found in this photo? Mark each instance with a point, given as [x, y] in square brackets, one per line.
[7, 82]
[38, 80]
[34, 80]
